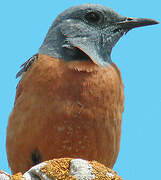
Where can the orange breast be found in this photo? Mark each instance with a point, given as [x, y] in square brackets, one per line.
[66, 110]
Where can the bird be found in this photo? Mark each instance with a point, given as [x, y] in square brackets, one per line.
[70, 98]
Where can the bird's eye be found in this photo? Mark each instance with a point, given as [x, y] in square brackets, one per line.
[92, 17]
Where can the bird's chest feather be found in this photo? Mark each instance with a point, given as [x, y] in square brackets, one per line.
[71, 89]
[76, 107]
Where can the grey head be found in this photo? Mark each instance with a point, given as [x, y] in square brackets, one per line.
[88, 32]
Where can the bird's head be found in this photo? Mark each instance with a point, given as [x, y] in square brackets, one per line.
[88, 32]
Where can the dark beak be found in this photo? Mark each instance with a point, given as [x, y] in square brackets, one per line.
[130, 23]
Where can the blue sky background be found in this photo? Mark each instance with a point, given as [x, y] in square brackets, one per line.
[23, 27]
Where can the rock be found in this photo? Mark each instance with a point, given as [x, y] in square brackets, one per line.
[65, 169]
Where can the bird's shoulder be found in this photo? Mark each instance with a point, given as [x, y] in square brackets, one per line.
[24, 67]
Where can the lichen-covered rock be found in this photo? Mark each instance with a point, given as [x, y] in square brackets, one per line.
[4, 176]
[65, 169]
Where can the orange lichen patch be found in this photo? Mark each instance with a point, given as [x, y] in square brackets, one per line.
[17, 176]
[65, 169]
[102, 172]
[58, 169]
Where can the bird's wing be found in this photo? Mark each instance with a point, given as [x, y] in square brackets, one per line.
[26, 65]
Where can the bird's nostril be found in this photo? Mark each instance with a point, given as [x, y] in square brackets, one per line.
[129, 19]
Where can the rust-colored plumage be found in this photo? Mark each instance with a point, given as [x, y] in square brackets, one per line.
[66, 109]
[69, 101]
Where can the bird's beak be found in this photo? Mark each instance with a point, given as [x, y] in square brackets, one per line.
[130, 23]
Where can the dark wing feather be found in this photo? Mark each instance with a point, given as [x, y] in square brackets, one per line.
[26, 65]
